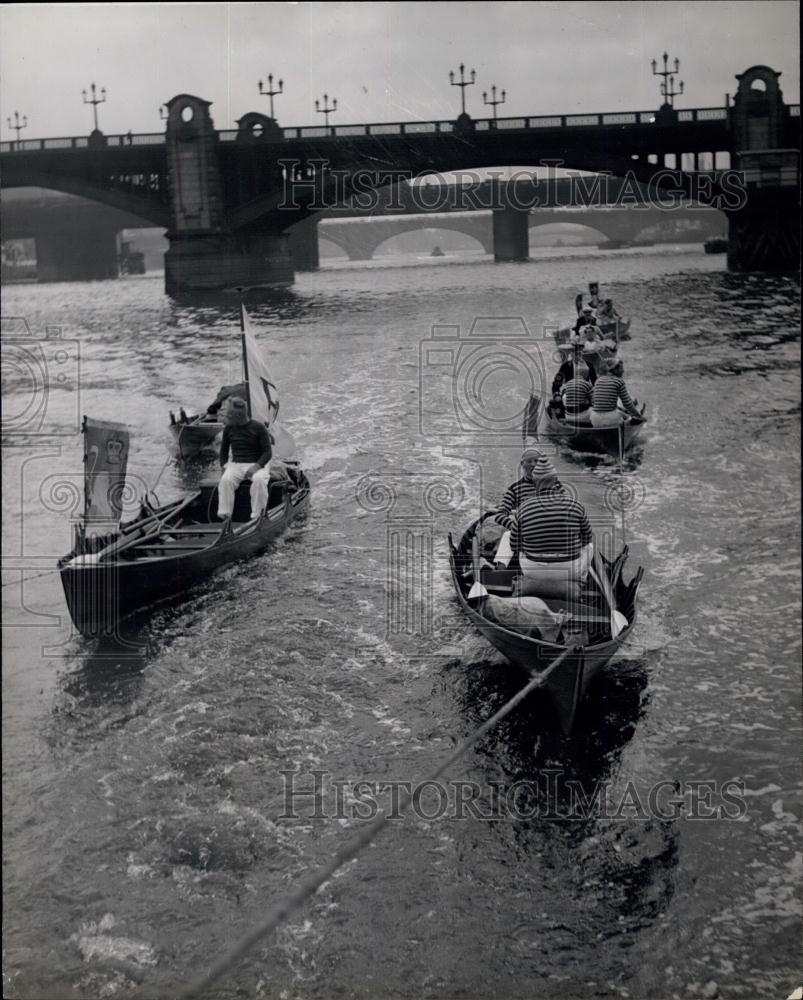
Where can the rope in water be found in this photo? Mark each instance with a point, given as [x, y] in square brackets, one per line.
[16, 583]
[310, 885]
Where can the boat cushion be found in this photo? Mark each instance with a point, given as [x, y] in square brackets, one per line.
[527, 615]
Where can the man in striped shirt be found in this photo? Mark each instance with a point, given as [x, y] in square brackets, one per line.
[608, 392]
[551, 532]
[520, 490]
[576, 396]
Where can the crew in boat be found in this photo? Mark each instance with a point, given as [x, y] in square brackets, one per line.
[563, 376]
[597, 348]
[248, 442]
[576, 395]
[593, 294]
[551, 532]
[515, 495]
[520, 490]
[586, 318]
[611, 404]
[606, 314]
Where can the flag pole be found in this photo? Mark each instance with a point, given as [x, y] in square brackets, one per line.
[80, 529]
[245, 352]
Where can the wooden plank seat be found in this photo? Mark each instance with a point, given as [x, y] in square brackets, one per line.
[198, 529]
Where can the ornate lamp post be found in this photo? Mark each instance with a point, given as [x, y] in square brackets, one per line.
[95, 101]
[18, 125]
[668, 91]
[326, 109]
[270, 92]
[494, 102]
[462, 83]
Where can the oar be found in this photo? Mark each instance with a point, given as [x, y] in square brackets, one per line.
[598, 573]
[477, 591]
[153, 530]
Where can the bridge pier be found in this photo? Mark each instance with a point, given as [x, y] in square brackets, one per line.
[215, 262]
[511, 235]
[304, 245]
[205, 254]
[77, 255]
[765, 234]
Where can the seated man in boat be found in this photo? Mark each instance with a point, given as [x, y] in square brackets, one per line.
[251, 452]
[586, 318]
[551, 533]
[611, 404]
[606, 314]
[520, 490]
[576, 395]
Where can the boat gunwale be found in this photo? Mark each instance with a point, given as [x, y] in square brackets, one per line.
[537, 643]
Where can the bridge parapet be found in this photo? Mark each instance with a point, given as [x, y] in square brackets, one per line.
[524, 124]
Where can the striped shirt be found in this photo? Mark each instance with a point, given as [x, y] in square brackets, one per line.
[515, 496]
[576, 395]
[550, 526]
[607, 390]
[512, 500]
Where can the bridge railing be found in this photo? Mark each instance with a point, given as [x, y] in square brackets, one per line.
[684, 117]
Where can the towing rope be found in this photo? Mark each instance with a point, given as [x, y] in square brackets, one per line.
[310, 885]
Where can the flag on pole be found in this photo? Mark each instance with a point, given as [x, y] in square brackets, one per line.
[263, 397]
[105, 461]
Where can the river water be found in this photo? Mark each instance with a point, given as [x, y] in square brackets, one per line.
[146, 819]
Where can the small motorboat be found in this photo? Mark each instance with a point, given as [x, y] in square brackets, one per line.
[593, 626]
[194, 434]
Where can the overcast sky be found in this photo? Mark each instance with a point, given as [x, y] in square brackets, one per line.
[382, 61]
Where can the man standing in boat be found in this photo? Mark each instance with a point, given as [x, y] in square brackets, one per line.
[249, 443]
[551, 533]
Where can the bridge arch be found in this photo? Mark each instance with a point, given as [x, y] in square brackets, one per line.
[144, 207]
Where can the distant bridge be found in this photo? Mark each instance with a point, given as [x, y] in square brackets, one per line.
[77, 239]
[360, 240]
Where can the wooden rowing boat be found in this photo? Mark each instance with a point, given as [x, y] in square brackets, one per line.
[165, 551]
[592, 439]
[588, 627]
[115, 569]
[617, 330]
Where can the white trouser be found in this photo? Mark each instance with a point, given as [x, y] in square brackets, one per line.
[610, 418]
[571, 570]
[504, 553]
[582, 417]
[233, 475]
